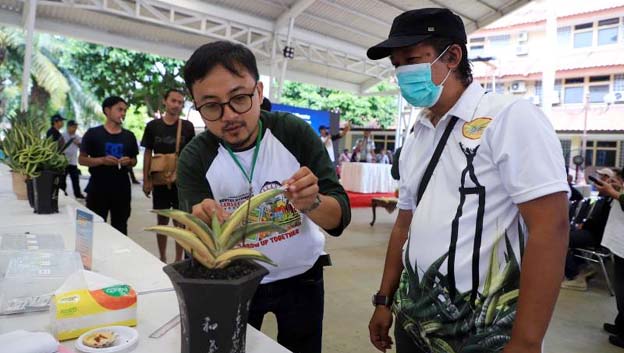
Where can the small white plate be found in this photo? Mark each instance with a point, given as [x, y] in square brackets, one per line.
[127, 340]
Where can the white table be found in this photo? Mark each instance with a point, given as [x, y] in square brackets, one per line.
[116, 256]
[367, 177]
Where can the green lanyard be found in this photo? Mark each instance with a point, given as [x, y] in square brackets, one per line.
[249, 176]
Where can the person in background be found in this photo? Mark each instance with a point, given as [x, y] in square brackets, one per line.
[266, 105]
[575, 195]
[328, 139]
[588, 233]
[160, 137]
[613, 240]
[382, 157]
[357, 150]
[344, 157]
[55, 130]
[109, 150]
[367, 149]
[72, 140]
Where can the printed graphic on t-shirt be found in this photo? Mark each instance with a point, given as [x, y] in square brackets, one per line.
[114, 149]
[279, 210]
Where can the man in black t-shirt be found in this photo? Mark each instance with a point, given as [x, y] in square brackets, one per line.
[160, 137]
[109, 150]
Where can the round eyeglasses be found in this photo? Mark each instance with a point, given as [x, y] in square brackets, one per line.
[240, 104]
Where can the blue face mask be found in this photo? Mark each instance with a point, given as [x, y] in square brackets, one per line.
[416, 85]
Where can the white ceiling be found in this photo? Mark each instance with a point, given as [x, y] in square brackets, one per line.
[330, 37]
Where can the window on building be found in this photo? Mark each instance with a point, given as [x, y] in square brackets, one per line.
[573, 95]
[597, 93]
[573, 90]
[563, 37]
[601, 153]
[618, 82]
[499, 42]
[558, 93]
[500, 87]
[608, 31]
[583, 35]
[476, 51]
[538, 92]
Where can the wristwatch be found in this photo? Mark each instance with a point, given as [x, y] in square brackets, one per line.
[379, 299]
[314, 206]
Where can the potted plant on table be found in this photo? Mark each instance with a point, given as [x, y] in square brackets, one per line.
[215, 286]
[24, 131]
[44, 165]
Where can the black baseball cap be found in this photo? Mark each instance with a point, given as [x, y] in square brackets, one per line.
[72, 123]
[323, 127]
[412, 27]
[56, 117]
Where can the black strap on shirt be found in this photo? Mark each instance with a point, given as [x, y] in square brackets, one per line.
[433, 162]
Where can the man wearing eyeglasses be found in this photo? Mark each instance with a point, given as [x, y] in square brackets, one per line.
[246, 151]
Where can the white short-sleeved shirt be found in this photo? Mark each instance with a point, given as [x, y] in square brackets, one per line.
[504, 152]
[71, 152]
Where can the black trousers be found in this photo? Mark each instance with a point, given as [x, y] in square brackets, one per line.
[74, 175]
[404, 343]
[297, 303]
[618, 284]
[117, 204]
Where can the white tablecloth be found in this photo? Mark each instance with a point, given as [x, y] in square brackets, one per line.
[116, 256]
[367, 177]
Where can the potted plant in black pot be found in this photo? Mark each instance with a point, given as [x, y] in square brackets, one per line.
[215, 286]
[44, 165]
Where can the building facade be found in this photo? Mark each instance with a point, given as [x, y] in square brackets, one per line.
[509, 57]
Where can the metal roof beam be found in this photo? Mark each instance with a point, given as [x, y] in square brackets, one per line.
[355, 12]
[295, 10]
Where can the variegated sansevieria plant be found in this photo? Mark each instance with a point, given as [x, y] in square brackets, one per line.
[215, 246]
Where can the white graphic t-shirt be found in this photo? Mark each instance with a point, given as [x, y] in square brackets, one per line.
[297, 249]
[206, 170]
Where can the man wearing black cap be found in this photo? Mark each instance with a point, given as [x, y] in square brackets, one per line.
[55, 130]
[482, 193]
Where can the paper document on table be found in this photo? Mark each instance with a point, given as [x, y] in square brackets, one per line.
[84, 237]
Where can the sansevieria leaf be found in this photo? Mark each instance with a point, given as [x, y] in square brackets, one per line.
[188, 241]
[237, 217]
[195, 225]
[245, 253]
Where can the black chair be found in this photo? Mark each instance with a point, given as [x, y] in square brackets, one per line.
[596, 255]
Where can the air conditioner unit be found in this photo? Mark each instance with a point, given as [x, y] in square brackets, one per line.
[523, 36]
[614, 97]
[522, 49]
[517, 87]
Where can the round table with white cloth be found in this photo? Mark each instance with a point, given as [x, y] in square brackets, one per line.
[367, 178]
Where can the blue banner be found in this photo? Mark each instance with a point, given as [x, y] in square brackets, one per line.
[315, 118]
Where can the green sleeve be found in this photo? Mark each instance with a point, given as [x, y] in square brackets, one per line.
[301, 140]
[193, 164]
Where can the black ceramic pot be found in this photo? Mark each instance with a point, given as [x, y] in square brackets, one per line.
[213, 313]
[46, 187]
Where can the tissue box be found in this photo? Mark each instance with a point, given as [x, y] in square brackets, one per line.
[89, 300]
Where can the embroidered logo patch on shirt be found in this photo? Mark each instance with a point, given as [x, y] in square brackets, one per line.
[475, 128]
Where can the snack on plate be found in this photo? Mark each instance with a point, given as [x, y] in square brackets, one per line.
[100, 339]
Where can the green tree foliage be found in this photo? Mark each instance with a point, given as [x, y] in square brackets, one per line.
[142, 79]
[356, 109]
